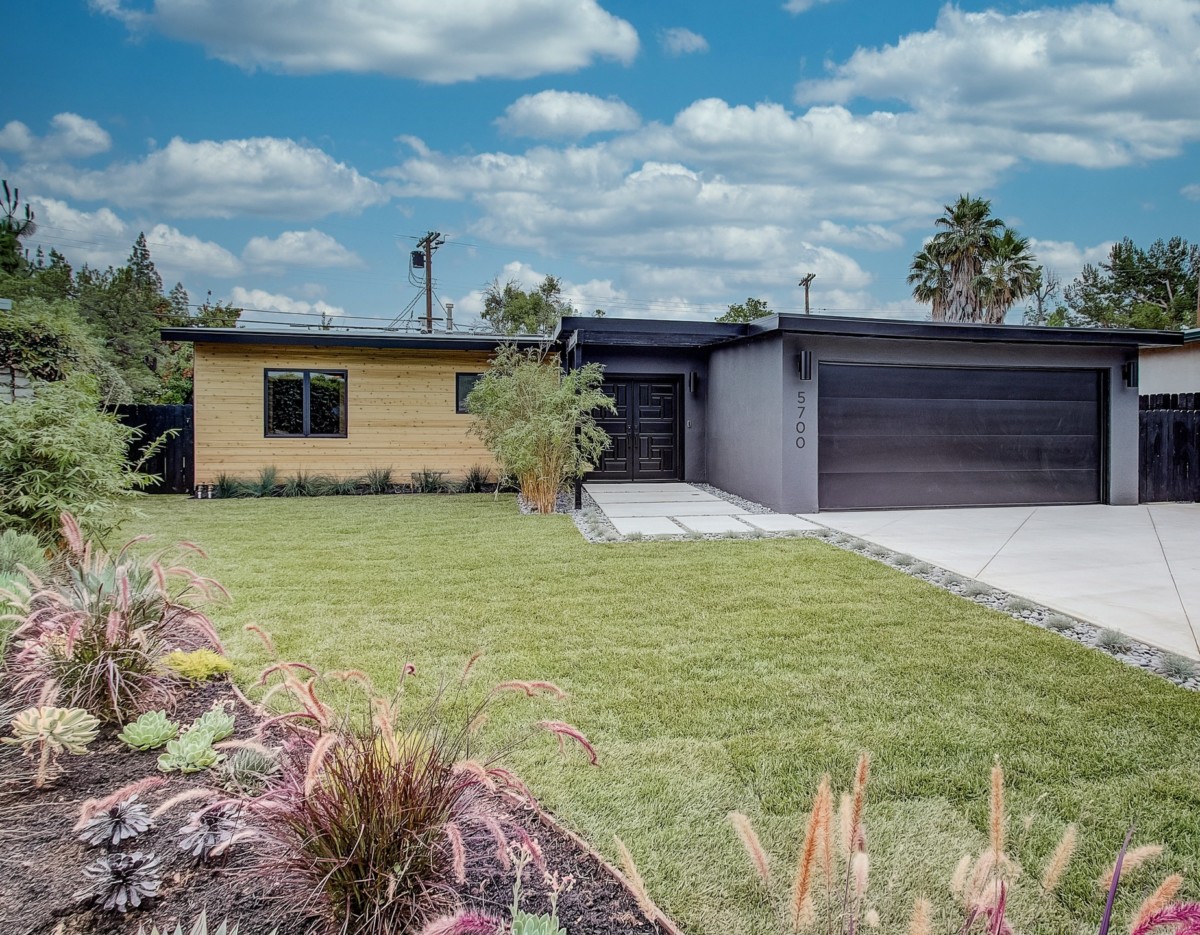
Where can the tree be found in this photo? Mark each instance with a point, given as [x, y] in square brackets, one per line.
[14, 226]
[1044, 298]
[974, 268]
[1138, 288]
[538, 421]
[511, 310]
[748, 311]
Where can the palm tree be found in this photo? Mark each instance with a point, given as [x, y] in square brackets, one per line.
[1009, 274]
[949, 272]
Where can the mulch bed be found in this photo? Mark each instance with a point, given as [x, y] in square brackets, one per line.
[42, 860]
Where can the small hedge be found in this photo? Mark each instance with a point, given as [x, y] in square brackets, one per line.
[270, 483]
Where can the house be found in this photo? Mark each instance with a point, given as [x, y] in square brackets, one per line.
[798, 412]
[1171, 369]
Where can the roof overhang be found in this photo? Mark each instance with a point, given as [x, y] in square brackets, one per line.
[441, 341]
[645, 332]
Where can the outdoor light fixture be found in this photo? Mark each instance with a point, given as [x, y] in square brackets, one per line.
[804, 365]
[1129, 370]
[693, 382]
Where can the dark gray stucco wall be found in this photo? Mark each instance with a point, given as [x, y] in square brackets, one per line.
[799, 468]
[673, 363]
[745, 415]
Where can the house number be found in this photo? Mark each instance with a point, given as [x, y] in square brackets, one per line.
[799, 420]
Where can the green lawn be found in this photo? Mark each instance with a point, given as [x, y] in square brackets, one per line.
[715, 676]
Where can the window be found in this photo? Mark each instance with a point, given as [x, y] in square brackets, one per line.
[303, 403]
[463, 384]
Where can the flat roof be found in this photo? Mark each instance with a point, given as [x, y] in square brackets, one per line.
[438, 341]
[644, 332]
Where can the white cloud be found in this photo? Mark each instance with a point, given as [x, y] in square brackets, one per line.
[1093, 85]
[1191, 192]
[680, 41]
[566, 114]
[262, 307]
[263, 176]
[312, 249]
[1066, 258]
[174, 251]
[438, 42]
[70, 137]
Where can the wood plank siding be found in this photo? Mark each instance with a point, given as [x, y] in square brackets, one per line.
[400, 405]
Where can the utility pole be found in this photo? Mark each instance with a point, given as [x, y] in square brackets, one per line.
[429, 243]
[806, 282]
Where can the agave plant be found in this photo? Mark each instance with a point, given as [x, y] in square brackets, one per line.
[122, 882]
[199, 927]
[124, 819]
[46, 732]
[217, 722]
[150, 731]
[191, 752]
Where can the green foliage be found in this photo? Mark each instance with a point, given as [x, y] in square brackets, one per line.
[21, 550]
[15, 225]
[511, 310]
[228, 487]
[478, 479]
[198, 665]
[325, 486]
[217, 722]
[199, 927]
[538, 422]
[974, 268]
[46, 732]
[429, 481]
[247, 771]
[190, 752]
[150, 731]
[749, 310]
[1113, 641]
[60, 453]
[120, 882]
[1178, 667]
[1138, 288]
[294, 485]
[379, 480]
[267, 483]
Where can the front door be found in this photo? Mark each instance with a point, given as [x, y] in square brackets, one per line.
[644, 430]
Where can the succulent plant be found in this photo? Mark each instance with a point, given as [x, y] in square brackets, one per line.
[118, 823]
[190, 753]
[209, 831]
[247, 771]
[123, 881]
[199, 665]
[47, 732]
[149, 731]
[216, 721]
[199, 927]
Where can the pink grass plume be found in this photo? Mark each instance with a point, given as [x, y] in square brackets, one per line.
[563, 729]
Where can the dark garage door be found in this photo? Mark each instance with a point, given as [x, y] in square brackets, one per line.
[644, 430]
[926, 437]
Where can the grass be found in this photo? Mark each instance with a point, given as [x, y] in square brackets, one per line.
[727, 675]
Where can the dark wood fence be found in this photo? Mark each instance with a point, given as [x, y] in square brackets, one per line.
[173, 462]
[1170, 447]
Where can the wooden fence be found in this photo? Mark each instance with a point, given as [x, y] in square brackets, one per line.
[1169, 449]
[173, 462]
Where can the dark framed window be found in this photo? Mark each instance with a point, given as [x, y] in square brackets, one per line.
[463, 384]
[304, 403]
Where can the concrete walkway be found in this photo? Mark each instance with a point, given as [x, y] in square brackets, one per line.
[1133, 568]
[675, 509]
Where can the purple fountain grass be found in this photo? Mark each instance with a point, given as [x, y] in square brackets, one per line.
[1184, 916]
[562, 729]
[464, 923]
[1115, 879]
[1158, 900]
[754, 849]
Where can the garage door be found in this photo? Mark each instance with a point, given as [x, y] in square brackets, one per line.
[926, 437]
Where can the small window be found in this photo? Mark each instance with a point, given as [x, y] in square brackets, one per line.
[463, 384]
[303, 403]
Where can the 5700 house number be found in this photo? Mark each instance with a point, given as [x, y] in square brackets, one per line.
[800, 419]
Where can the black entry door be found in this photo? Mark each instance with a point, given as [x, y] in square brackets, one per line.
[925, 437]
[644, 430]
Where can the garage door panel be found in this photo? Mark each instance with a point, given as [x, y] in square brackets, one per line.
[890, 382]
[898, 490]
[892, 436]
[941, 453]
[849, 417]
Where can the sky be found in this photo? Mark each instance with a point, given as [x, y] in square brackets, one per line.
[663, 159]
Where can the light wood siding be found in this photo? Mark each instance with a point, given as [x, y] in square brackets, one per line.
[400, 405]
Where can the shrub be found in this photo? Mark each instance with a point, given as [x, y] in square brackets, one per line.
[1177, 667]
[266, 484]
[323, 486]
[101, 631]
[122, 882]
[294, 485]
[538, 422]
[428, 481]
[59, 452]
[228, 487]
[46, 732]
[379, 480]
[199, 665]
[150, 731]
[1113, 641]
[478, 479]
[19, 550]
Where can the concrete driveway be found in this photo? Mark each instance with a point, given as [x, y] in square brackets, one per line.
[1133, 568]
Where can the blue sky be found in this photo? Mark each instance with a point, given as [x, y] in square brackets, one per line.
[662, 158]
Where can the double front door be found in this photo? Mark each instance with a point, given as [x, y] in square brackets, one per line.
[645, 430]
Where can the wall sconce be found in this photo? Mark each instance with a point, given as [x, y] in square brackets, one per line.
[804, 365]
[693, 383]
[1129, 370]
